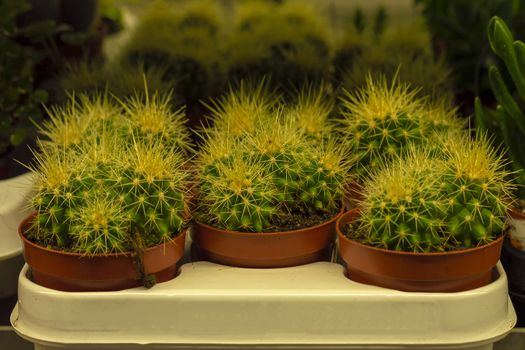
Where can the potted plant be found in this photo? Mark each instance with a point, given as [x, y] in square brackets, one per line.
[268, 194]
[381, 119]
[431, 221]
[111, 196]
[506, 124]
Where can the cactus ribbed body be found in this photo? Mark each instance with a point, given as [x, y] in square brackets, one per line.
[379, 122]
[475, 191]
[401, 208]
[239, 195]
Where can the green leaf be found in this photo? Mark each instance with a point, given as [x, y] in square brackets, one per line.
[40, 96]
[18, 137]
[505, 99]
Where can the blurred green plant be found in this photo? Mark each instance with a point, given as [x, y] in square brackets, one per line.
[458, 29]
[507, 121]
[19, 100]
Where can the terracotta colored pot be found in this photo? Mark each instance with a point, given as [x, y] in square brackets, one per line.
[417, 272]
[271, 249]
[72, 272]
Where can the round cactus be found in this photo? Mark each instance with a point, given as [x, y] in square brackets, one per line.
[476, 190]
[401, 208]
[153, 188]
[324, 175]
[150, 118]
[239, 195]
[238, 111]
[100, 226]
[379, 121]
[311, 111]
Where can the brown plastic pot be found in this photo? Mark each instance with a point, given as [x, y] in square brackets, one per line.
[72, 272]
[454, 271]
[265, 250]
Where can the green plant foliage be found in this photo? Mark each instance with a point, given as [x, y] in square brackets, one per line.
[421, 202]
[19, 101]
[507, 122]
[287, 43]
[238, 195]
[469, 57]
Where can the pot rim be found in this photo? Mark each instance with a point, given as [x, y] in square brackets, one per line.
[339, 214]
[25, 222]
[516, 214]
[341, 235]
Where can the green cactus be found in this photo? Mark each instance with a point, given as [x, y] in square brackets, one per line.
[150, 118]
[108, 189]
[287, 43]
[476, 191]
[400, 208]
[280, 148]
[379, 121]
[120, 79]
[507, 121]
[311, 112]
[294, 173]
[240, 110]
[239, 195]
[426, 202]
[153, 187]
[185, 51]
[324, 174]
[99, 226]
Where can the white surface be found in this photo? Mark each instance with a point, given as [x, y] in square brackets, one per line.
[215, 306]
[517, 231]
[14, 207]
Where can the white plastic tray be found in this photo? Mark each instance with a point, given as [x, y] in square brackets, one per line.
[14, 207]
[219, 307]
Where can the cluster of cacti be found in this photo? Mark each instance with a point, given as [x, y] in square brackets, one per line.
[380, 120]
[286, 42]
[424, 202]
[508, 120]
[183, 44]
[270, 167]
[110, 187]
[120, 79]
[402, 51]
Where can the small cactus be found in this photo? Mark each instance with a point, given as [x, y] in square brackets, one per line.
[287, 43]
[423, 202]
[400, 206]
[151, 118]
[476, 190]
[379, 121]
[239, 195]
[311, 112]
